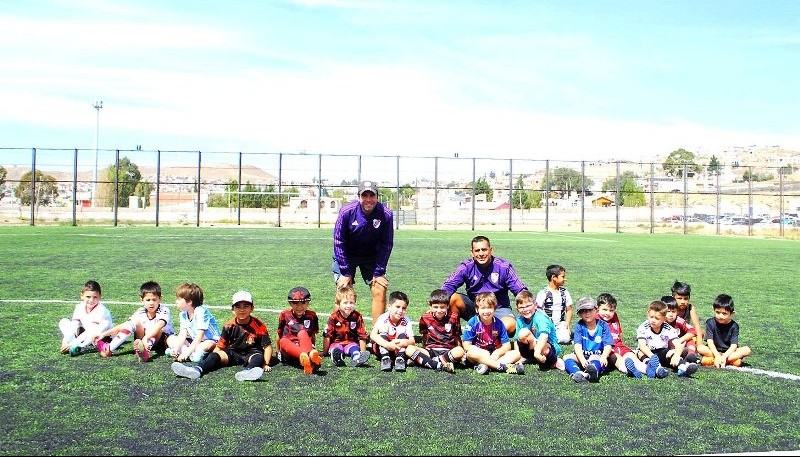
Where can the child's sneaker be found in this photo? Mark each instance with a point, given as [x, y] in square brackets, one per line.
[448, 367]
[185, 371]
[652, 366]
[693, 358]
[386, 363]
[74, 351]
[400, 364]
[707, 361]
[592, 373]
[253, 374]
[631, 367]
[516, 368]
[103, 348]
[316, 359]
[580, 376]
[736, 363]
[481, 368]
[359, 358]
[141, 350]
[305, 361]
[687, 369]
[661, 372]
[337, 357]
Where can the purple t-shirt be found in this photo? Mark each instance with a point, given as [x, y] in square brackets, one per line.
[357, 235]
[499, 277]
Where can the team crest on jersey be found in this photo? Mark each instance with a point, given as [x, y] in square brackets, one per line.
[494, 277]
[376, 223]
[598, 339]
[448, 327]
[352, 325]
[307, 323]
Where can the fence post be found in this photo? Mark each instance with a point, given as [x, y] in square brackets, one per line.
[583, 196]
[750, 201]
[780, 205]
[238, 193]
[280, 186]
[33, 186]
[397, 196]
[197, 211]
[435, 193]
[474, 185]
[74, 188]
[618, 201]
[511, 193]
[319, 190]
[547, 195]
[116, 189]
[652, 197]
[158, 183]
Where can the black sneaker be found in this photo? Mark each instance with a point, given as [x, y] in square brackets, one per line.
[693, 358]
[386, 363]
[359, 358]
[400, 364]
[594, 375]
[337, 357]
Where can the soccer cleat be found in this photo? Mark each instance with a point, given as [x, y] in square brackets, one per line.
[253, 374]
[386, 363]
[652, 366]
[592, 373]
[337, 357]
[316, 359]
[400, 364]
[305, 361]
[579, 376]
[516, 368]
[736, 362]
[631, 367]
[707, 361]
[359, 358]
[661, 372]
[481, 368]
[687, 369]
[74, 351]
[103, 348]
[185, 371]
[141, 350]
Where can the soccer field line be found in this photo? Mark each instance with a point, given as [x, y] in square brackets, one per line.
[772, 374]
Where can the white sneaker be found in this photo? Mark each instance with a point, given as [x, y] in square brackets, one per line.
[185, 371]
[253, 374]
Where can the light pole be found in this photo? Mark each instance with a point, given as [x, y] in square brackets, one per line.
[98, 105]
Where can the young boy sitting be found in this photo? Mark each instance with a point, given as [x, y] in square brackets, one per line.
[440, 335]
[536, 334]
[486, 340]
[593, 343]
[392, 333]
[722, 333]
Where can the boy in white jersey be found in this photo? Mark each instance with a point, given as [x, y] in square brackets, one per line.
[392, 333]
[89, 319]
[656, 336]
[151, 324]
[556, 302]
[199, 332]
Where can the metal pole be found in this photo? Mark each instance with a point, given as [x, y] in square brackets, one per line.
[158, 183]
[199, 169]
[98, 105]
[511, 193]
[33, 186]
[280, 186]
[74, 187]
[239, 194]
[116, 189]
[435, 193]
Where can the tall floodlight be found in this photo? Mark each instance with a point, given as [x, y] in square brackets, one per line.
[98, 105]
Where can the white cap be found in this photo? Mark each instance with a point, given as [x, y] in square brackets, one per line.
[241, 296]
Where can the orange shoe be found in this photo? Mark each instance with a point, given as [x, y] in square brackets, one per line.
[306, 362]
[736, 362]
[707, 361]
[316, 359]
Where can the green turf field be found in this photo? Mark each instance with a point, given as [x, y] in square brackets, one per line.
[55, 404]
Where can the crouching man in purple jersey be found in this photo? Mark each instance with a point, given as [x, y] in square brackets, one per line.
[363, 238]
[484, 273]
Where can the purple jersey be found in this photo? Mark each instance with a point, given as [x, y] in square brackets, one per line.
[357, 235]
[499, 277]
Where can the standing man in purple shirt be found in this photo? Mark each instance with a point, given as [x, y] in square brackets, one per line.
[363, 238]
[484, 273]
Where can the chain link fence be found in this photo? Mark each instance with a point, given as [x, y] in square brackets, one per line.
[198, 188]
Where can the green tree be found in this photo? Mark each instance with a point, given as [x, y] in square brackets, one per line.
[564, 181]
[143, 190]
[630, 194]
[525, 199]
[128, 175]
[228, 199]
[673, 165]
[46, 189]
[482, 187]
[3, 174]
[714, 166]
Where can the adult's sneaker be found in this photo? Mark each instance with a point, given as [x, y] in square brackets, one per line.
[652, 366]
[252, 374]
[185, 371]
[400, 364]
[337, 357]
[103, 348]
[481, 368]
[630, 365]
[591, 371]
[359, 358]
[580, 376]
[386, 363]
[687, 369]
[141, 350]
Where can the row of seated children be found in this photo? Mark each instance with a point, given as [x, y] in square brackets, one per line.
[245, 339]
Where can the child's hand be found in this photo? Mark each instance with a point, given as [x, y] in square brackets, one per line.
[539, 358]
[719, 361]
[182, 356]
[267, 368]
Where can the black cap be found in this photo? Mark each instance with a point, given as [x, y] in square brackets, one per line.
[299, 294]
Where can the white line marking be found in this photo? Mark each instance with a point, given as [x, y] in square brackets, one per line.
[772, 374]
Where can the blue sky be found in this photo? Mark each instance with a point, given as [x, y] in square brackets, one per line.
[541, 79]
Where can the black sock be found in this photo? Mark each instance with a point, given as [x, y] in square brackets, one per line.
[210, 363]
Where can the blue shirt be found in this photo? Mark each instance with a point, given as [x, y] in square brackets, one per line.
[489, 337]
[357, 235]
[539, 324]
[592, 343]
[499, 277]
[201, 320]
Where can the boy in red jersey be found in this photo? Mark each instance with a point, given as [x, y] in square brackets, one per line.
[440, 333]
[686, 331]
[345, 334]
[297, 332]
